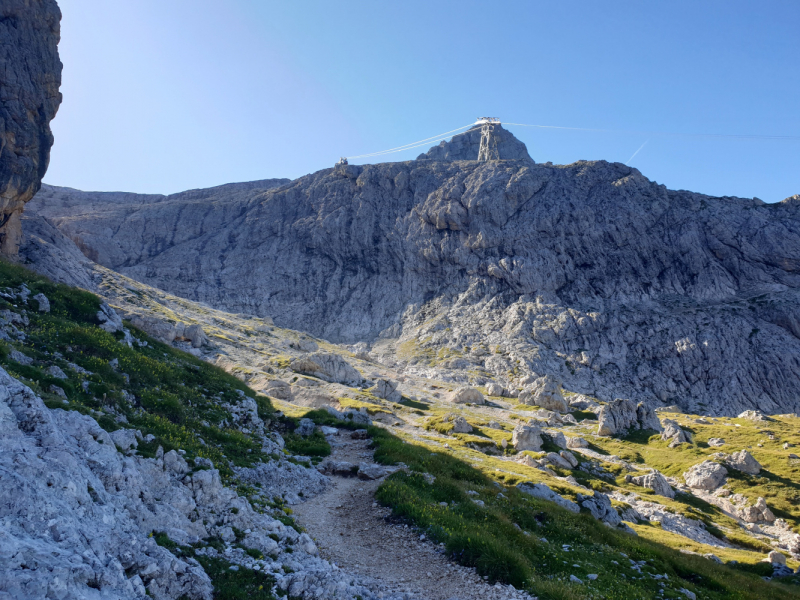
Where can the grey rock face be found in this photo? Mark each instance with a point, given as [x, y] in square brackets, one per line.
[642, 291]
[29, 98]
[51, 253]
[707, 475]
[62, 513]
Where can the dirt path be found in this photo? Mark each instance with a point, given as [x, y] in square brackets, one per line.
[350, 530]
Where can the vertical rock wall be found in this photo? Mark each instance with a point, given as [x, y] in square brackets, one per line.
[30, 75]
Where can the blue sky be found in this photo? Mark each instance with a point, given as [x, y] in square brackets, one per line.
[162, 96]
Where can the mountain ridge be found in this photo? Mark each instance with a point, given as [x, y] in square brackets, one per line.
[588, 271]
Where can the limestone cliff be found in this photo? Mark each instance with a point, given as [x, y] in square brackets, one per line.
[30, 75]
[496, 270]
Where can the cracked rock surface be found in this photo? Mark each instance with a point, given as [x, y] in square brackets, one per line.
[481, 272]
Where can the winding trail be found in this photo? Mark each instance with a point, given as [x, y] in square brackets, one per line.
[352, 531]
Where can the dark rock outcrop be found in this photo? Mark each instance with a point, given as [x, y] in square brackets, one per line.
[30, 75]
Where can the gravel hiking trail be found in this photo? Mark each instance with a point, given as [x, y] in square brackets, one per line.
[352, 531]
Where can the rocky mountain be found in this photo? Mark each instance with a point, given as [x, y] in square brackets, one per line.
[487, 270]
[30, 75]
[489, 141]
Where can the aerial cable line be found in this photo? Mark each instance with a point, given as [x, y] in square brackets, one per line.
[414, 144]
[442, 136]
[787, 138]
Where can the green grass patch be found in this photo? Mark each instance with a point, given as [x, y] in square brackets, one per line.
[156, 388]
[492, 538]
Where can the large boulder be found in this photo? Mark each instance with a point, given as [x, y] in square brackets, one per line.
[543, 492]
[125, 439]
[386, 389]
[278, 389]
[647, 418]
[466, 395]
[545, 392]
[577, 442]
[305, 427]
[494, 389]
[329, 367]
[460, 425]
[674, 433]
[559, 461]
[29, 80]
[196, 335]
[752, 415]
[654, 481]
[581, 402]
[527, 437]
[706, 475]
[743, 461]
[155, 328]
[619, 416]
[600, 506]
[558, 438]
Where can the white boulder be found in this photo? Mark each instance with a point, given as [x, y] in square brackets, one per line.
[527, 437]
[706, 475]
[466, 395]
[545, 392]
[655, 481]
[743, 461]
[619, 416]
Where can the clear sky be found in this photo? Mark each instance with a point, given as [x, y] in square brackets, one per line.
[168, 95]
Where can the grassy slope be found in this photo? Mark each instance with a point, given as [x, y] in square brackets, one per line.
[178, 398]
[533, 556]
